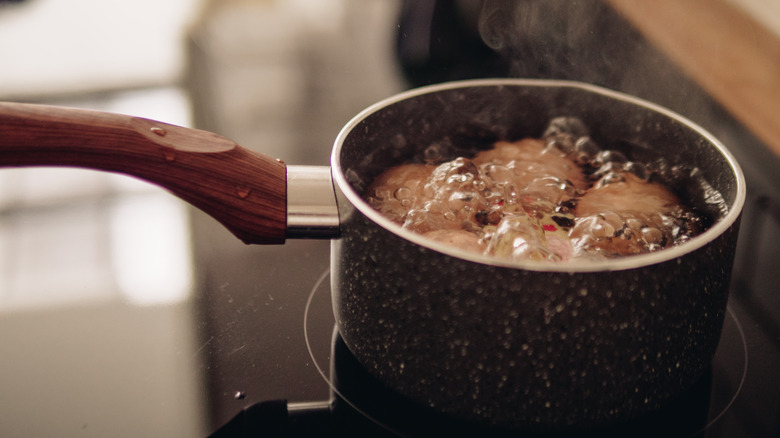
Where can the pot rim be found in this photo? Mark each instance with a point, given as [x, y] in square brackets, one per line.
[614, 264]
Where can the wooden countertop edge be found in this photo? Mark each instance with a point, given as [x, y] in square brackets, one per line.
[728, 53]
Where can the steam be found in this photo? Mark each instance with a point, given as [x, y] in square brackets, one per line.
[495, 26]
[582, 40]
[562, 39]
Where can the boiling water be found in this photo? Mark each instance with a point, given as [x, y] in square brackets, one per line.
[556, 198]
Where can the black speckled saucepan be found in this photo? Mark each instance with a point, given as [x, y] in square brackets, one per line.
[513, 344]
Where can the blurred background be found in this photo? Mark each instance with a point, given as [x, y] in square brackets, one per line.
[114, 320]
[123, 312]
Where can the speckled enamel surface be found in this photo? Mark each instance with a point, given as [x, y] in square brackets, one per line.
[517, 347]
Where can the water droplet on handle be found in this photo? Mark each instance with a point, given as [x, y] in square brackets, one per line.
[159, 131]
[243, 192]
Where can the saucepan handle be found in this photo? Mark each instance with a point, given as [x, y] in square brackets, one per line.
[244, 190]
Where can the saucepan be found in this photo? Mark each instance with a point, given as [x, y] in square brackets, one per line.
[513, 344]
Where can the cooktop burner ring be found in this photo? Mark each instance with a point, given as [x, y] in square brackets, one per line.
[732, 324]
[317, 285]
[743, 342]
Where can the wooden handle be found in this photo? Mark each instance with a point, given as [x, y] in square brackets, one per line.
[244, 190]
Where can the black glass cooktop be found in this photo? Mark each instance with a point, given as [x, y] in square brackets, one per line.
[721, 403]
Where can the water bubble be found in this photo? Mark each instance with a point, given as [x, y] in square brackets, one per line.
[581, 158]
[613, 219]
[463, 166]
[433, 153]
[560, 142]
[597, 230]
[403, 193]
[430, 217]
[239, 395]
[638, 170]
[511, 195]
[585, 149]
[498, 174]
[566, 125]
[634, 224]
[429, 190]
[550, 189]
[652, 235]
[519, 237]
[654, 247]
[452, 175]
[613, 156]
[608, 156]
[660, 167]
[380, 194]
[433, 208]
[610, 178]
[465, 199]
[460, 178]
[606, 168]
